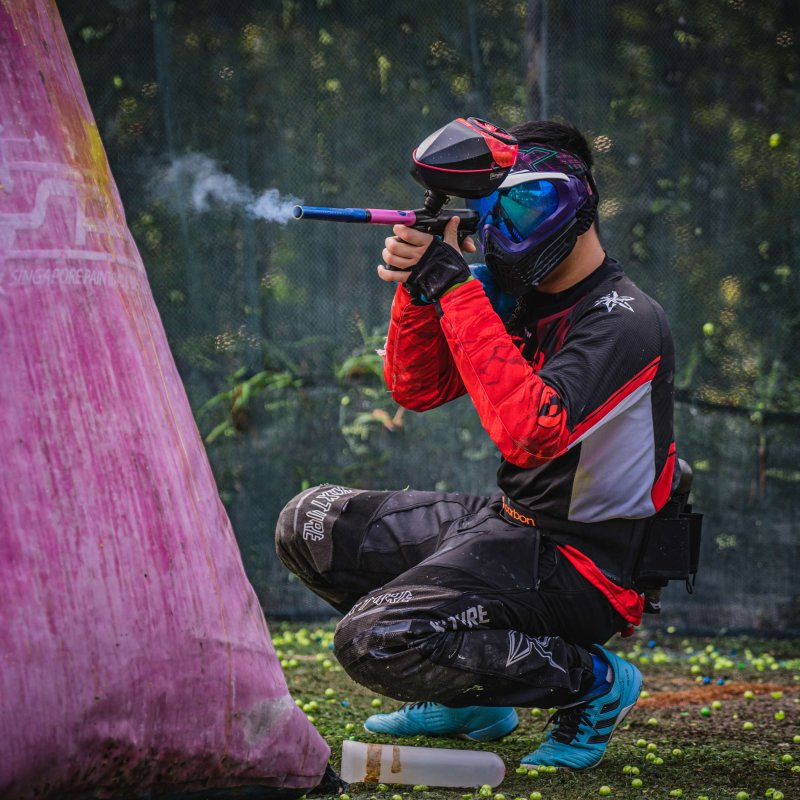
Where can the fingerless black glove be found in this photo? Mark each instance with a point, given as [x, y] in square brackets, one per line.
[440, 268]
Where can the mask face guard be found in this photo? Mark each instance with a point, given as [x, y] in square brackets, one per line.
[518, 274]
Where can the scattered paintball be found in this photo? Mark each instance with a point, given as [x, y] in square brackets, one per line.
[686, 752]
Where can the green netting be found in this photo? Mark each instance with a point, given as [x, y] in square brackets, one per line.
[216, 115]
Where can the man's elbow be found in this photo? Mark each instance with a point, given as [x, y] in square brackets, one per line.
[414, 401]
[531, 454]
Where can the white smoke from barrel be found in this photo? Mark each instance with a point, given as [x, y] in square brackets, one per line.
[200, 183]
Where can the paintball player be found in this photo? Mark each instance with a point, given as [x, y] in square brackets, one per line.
[463, 606]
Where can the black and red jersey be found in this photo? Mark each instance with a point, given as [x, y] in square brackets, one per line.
[579, 403]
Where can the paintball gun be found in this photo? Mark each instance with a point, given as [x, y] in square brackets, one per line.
[467, 158]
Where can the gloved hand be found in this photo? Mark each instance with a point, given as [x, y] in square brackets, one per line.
[439, 269]
[406, 252]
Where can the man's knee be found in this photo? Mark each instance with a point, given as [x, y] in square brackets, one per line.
[303, 531]
[299, 538]
[385, 657]
[389, 640]
[287, 539]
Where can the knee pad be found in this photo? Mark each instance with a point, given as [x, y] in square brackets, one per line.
[382, 658]
[298, 534]
[286, 531]
[386, 641]
[303, 533]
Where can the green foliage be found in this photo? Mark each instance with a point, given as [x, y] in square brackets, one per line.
[693, 110]
[692, 107]
[231, 408]
[366, 362]
[365, 407]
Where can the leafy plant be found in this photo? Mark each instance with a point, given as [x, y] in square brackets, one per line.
[365, 407]
[234, 404]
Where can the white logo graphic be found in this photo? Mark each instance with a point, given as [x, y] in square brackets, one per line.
[611, 301]
[469, 618]
[391, 598]
[520, 646]
[387, 598]
[314, 528]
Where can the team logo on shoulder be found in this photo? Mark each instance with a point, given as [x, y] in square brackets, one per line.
[612, 300]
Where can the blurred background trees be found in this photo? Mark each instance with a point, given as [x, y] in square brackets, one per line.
[693, 112]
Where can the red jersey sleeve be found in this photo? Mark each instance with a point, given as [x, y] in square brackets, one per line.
[418, 367]
[525, 417]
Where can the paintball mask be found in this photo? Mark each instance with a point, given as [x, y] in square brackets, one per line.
[531, 223]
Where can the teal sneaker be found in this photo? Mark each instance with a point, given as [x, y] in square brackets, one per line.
[481, 723]
[581, 733]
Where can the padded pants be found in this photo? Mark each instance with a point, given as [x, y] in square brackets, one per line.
[445, 600]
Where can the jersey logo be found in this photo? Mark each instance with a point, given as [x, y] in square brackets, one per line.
[551, 408]
[611, 301]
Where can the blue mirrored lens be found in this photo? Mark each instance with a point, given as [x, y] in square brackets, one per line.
[483, 206]
[523, 208]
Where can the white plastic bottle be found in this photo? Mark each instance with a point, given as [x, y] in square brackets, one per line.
[429, 766]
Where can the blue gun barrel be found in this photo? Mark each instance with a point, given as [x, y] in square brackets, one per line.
[375, 216]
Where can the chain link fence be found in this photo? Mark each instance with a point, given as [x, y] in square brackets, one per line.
[217, 116]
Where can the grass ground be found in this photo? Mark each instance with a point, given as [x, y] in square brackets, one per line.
[717, 719]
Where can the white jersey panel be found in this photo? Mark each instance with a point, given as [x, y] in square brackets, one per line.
[616, 469]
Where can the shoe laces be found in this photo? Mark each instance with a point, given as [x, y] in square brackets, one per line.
[567, 722]
[422, 704]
